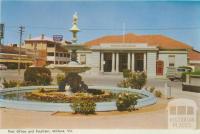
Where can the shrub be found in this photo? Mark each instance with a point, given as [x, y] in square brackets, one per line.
[61, 82]
[123, 83]
[27, 83]
[83, 106]
[158, 93]
[126, 73]
[9, 84]
[126, 101]
[152, 89]
[38, 75]
[137, 80]
[196, 72]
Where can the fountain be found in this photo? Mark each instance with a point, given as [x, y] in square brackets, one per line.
[60, 101]
[73, 68]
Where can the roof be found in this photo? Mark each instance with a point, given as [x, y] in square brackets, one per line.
[41, 38]
[163, 42]
[160, 41]
[194, 55]
[10, 49]
[45, 38]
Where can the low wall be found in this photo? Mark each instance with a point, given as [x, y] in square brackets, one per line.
[192, 84]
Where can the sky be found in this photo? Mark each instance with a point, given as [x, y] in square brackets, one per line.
[178, 20]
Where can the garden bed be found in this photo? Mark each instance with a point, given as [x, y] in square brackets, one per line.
[61, 97]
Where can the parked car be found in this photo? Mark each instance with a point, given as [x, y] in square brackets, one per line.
[3, 67]
[176, 73]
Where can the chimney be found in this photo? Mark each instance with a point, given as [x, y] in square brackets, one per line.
[42, 36]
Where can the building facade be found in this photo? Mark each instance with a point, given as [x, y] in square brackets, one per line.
[114, 58]
[50, 51]
[111, 54]
[9, 56]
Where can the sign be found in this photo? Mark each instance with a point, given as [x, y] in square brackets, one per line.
[182, 114]
[1, 31]
[57, 37]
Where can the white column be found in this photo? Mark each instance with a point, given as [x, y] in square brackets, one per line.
[145, 62]
[117, 62]
[102, 62]
[133, 63]
[113, 62]
[129, 61]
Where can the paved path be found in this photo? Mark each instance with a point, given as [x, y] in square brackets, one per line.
[138, 119]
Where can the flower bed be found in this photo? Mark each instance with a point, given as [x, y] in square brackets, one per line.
[60, 97]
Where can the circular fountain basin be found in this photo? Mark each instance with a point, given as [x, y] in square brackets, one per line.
[72, 66]
[149, 99]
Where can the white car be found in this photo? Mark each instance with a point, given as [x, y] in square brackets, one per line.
[3, 67]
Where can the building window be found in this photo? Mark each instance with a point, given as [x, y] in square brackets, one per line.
[61, 54]
[64, 54]
[50, 54]
[171, 60]
[57, 54]
[82, 59]
[50, 62]
[56, 62]
[139, 62]
[50, 45]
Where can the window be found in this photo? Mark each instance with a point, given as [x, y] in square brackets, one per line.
[50, 54]
[139, 61]
[171, 60]
[50, 45]
[57, 54]
[61, 54]
[50, 62]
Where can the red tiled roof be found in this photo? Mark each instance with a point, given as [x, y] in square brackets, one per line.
[161, 41]
[194, 55]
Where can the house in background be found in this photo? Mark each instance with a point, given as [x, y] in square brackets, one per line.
[50, 51]
[150, 53]
[194, 58]
[9, 56]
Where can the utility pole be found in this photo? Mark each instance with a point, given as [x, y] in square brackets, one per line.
[21, 30]
[1, 32]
